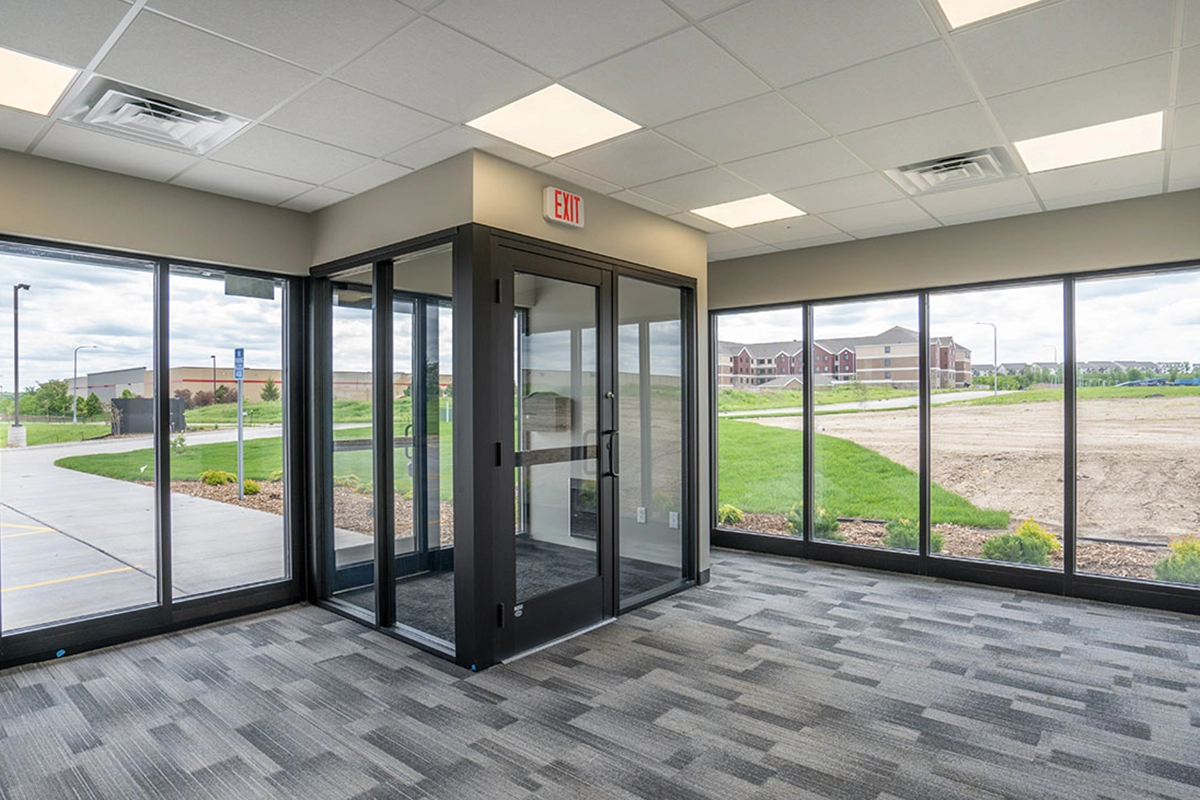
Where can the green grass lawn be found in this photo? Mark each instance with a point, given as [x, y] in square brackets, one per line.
[57, 432]
[1084, 393]
[760, 472]
[261, 458]
[343, 411]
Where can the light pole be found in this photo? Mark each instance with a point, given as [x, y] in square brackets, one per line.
[214, 386]
[75, 381]
[995, 356]
[16, 355]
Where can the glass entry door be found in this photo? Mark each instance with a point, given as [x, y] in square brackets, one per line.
[566, 450]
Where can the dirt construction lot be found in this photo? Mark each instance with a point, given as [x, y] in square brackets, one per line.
[1139, 464]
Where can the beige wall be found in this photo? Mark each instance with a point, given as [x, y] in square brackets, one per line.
[427, 201]
[62, 202]
[509, 197]
[1144, 230]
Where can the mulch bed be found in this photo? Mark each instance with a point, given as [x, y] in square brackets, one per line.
[1101, 558]
[352, 510]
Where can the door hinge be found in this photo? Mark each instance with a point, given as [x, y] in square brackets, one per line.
[499, 455]
[499, 297]
[500, 615]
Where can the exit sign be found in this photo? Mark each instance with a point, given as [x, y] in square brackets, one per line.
[562, 207]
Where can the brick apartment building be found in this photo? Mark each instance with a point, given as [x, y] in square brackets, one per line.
[889, 359]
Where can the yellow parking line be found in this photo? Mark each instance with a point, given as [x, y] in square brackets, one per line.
[25, 527]
[64, 580]
[26, 533]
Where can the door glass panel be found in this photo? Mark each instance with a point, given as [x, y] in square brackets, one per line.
[353, 470]
[650, 391]
[424, 521]
[558, 513]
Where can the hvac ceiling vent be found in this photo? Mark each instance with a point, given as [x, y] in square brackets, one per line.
[954, 172]
[136, 114]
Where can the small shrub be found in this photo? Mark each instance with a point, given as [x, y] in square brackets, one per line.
[729, 515]
[216, 477]
[1183, 565]
[1031, 529]
[203, 398]
[251, 486]
[825, 523]
[354, 483]
[275, 476]
[179, 444]
[904, 534]
[1016, 550]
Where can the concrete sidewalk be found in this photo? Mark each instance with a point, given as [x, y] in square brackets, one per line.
[865, 405]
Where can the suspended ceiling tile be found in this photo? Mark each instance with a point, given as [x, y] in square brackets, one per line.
[815, 241]
[697, 222]
[699, 9]
[860, 190]
[315, 34]
[815, 162]
[341, 115]
[561, 36]
[315, 199]
[1187, 126]
[226, 179]
[894, 87]
[960, 218]
[1060, 40]
[635, 159]
[1115, 179]
[728, 240]
[458, 139]
[791, 230]
[67, 31]
[66, 142]
[747, 128]
[707, 187]
[899, 227]
[288, 155]
[179, 61]
[866, 220]
[1189, 77]
[374, 174]
[1121, 92]
[571, 175]
[676, 76]
[942, 133]
[1001, 194]
[431, 68]
[1191, 22]
[645, 203]
[758, 250]
[790, 41]
[18, 129]
[1185, 169]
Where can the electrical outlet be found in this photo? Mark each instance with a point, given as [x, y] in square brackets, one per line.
[641, 514]
[674, 519]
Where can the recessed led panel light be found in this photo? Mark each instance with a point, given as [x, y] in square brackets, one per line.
[751, 211]
[964, 12]
[554, 121]
[31, 84]
[1125, 137]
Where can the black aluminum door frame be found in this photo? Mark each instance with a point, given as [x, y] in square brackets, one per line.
[576, 606]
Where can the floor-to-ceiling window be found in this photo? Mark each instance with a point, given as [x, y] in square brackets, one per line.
[124, 492]
[1044, 445]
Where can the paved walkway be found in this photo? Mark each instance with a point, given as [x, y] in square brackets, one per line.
[866, 405]
[75, 544]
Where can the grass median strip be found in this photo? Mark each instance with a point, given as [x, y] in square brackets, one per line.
[761, 472]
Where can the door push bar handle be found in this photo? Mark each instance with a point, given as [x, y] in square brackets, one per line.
[612, 470]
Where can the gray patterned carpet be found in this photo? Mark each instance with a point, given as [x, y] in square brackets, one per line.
[779, 679]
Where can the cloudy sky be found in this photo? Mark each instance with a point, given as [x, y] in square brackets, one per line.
[1149, 318]
[1152, 317]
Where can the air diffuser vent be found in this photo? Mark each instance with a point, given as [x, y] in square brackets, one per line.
[954, 172]
[136, 114]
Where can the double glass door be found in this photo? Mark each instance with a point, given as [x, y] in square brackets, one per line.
[600, 520]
